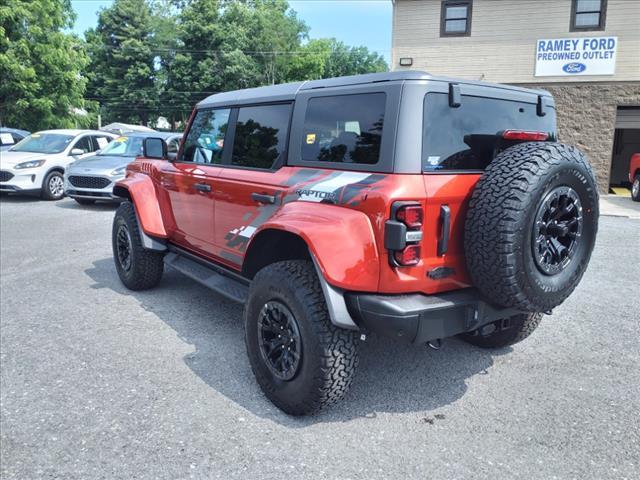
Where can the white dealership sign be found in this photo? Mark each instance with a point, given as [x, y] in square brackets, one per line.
[576, 56]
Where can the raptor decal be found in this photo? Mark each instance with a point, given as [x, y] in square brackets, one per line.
[308, 185]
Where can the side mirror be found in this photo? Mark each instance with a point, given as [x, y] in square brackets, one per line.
[154, 148]
[76, 152]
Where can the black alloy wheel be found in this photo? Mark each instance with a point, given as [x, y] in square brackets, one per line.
[123, 247]
[279, 337]
[557, 230]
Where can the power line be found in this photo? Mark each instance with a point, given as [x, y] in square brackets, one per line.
[245, 52]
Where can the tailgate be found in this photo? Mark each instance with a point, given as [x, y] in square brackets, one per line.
[441, 267]
[443, 249]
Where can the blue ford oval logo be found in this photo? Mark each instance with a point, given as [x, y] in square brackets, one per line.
[574, 67]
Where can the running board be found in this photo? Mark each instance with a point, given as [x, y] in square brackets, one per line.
[209, 276]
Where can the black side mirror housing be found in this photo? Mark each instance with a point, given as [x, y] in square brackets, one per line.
[154, 148]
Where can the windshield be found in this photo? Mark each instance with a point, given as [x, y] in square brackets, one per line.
[124, 147]
[43, 143]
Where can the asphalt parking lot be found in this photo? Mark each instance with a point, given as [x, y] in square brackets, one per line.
[100, 382]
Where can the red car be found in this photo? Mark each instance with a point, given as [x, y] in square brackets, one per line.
[634, 176]
[404, 204]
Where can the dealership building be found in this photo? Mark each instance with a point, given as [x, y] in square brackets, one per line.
[585, 52]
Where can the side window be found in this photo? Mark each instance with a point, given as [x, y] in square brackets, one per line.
[261, 135]
[101, 142]
[205, 141]
[84, 144]
[346, 128]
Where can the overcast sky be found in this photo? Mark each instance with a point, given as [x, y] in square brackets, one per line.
[355, 22]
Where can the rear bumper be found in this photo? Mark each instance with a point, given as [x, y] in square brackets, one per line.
[420, 318]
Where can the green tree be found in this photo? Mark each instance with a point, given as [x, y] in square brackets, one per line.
[311, 60]
[226, 45]
[272, 36]
[328, 57]
[40, 81]
[122, 71]
[345, 60]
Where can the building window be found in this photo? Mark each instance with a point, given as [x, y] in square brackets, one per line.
[455, 18]
[588, 14]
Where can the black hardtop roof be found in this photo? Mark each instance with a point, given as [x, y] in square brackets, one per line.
[288, 91]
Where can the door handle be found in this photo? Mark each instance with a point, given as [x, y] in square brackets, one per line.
[202, 187]
[263, 198]
[445, 218]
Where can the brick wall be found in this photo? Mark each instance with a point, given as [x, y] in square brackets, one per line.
[587, 117]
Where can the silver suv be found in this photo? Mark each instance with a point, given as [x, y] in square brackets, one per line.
[93, 178]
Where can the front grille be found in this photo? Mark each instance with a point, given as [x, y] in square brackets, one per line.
[88, 182]
[5, 176]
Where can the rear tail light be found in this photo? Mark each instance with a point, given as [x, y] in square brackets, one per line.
[408, 256]
[403, 233]
[528, 136]
[410, 215]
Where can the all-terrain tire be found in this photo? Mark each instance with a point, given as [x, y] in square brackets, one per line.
[506, 204]
[503, 333]
[52, 186]
[328, 354]
[84, 201]
[141, 269]
[635, 189]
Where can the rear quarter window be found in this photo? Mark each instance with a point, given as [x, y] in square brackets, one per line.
[468, 137]
[344, 128]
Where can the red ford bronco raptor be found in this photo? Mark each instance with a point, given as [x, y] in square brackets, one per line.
[412, 206]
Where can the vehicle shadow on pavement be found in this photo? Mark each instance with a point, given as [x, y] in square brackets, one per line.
[8, 198]
[98, 206]
[392, 377]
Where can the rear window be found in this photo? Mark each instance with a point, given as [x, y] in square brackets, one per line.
[468, 137]
[123, 147]
[344, 129]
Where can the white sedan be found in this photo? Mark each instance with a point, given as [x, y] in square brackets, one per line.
[37, 163]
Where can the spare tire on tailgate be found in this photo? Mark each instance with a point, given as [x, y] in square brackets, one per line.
[531, 225]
